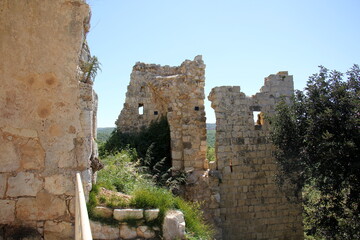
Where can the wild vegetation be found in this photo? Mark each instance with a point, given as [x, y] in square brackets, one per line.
[318, 152]
[139, 165]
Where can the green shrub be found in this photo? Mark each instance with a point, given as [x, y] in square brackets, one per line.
[120, 172]
[210, 154]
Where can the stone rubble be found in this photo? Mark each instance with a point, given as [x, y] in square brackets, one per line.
[173, 225]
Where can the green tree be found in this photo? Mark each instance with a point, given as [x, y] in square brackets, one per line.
[318, 152]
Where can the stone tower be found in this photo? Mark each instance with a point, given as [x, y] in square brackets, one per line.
[178, 94]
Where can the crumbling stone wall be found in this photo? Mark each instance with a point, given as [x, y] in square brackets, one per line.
[251, 206]
[175, 92]
[47, 121]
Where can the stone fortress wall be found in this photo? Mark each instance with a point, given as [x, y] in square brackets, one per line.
[238, 192]
[178, 94]
[48, 120]
[251, 205]
[48, 124]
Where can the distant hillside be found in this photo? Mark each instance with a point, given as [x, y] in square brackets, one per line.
[103, 134]
[210, 126]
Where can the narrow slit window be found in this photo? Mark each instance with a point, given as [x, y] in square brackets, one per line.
[257, 115]
[141, 109]
[196, 108]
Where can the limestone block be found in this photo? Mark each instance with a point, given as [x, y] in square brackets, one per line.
[59, 230]
[103, 212]
[102, 231]
[151, 214]
[3, 182]
[176, 155]
[32, 155]
[127, 232]
[174, 225]
[9, 160]
[60, 184]
[26, 209]
[7, 211]
[123, 214]
[24, 184]
[44, 207]
[145, 232]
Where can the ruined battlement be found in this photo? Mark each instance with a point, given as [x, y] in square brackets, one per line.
[178, 94]
[238, 192]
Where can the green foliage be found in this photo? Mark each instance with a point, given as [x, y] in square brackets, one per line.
[210, 138]
[210, 154]
[153, 147]
[119, 173]
[122, 174]
[103, 134]
[318, 151]
[153, 197]
[90, 69]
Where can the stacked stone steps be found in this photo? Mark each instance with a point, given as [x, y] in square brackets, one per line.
[173, 226]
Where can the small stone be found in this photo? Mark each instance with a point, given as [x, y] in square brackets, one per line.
[123, 214]
[145, 232]
[102, 231]
[151, 214]
[174, 225]
[104, 212]
[127, 232]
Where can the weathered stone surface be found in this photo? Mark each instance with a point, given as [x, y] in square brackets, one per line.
[9, 159]
[7, 211]
[44, 207]
[42, 112]
[24, 184]
[127, 232]
[59, 230]
[151, 214]
[178, 94]
[145, 232]
[102, 231]
[174, 225]
[60, 184]
[248, 198]
[103, 212]
[123, 214]
[32, 155]
[3, 183]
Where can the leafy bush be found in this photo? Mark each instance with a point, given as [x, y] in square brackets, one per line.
[152, 145]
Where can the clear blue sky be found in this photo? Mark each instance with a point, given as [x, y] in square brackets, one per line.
[241, 41]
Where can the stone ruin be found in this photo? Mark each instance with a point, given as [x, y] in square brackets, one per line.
[48, 117]
[48, 124]
[178, 94]
[238, 193]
